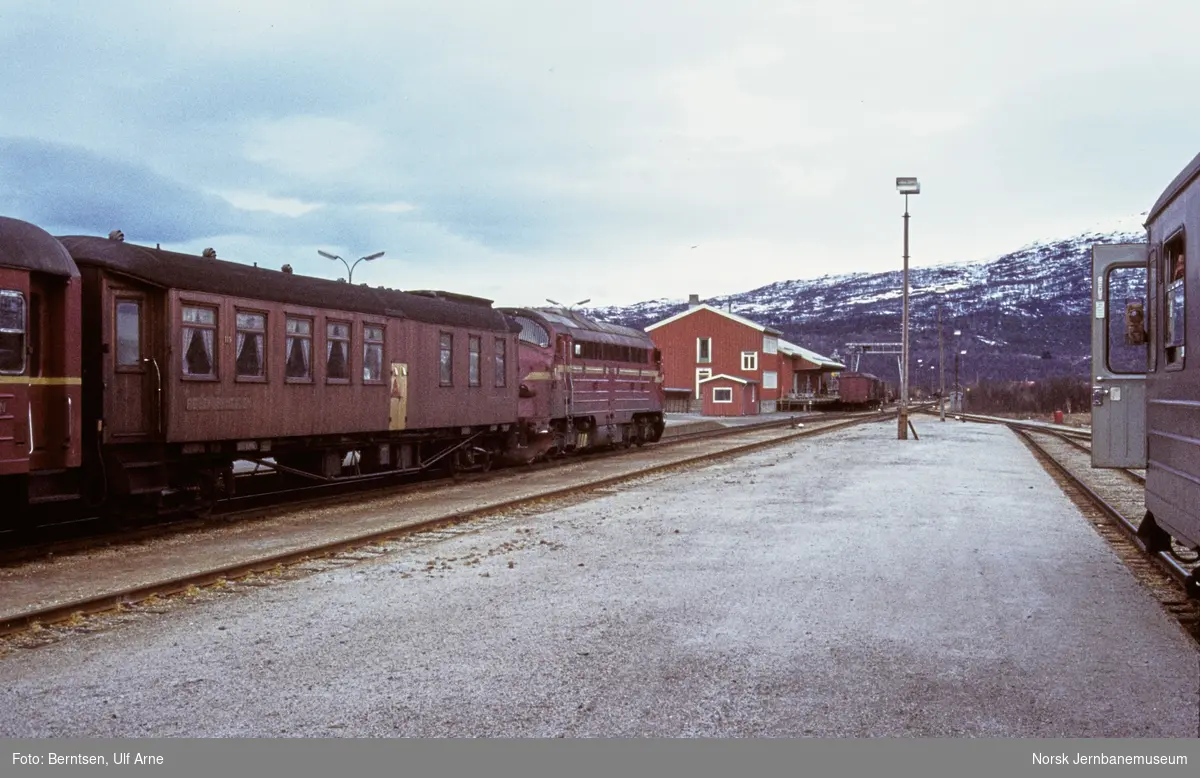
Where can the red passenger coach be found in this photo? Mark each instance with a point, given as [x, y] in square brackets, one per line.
[39, 367]
[586, 383]
[202, 362]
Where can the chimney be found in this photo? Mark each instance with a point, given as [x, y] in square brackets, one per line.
[287, 269]
[693, 300]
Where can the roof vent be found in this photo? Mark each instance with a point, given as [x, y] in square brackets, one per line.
[116, 235]
[287, 269]
[209, 253]
[693, 300]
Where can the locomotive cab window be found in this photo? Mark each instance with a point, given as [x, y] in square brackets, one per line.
[532, 332]
[372, 353]
[199, 333]
[1174, 308]
[299, 350]
[12, 332]
[251, 337]
[337, 351]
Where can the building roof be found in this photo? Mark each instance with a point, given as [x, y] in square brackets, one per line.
[792, 350]
[735, 379]
[706, 307]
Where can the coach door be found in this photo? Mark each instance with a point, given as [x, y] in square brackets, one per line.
[135, 373]
[1120, 352]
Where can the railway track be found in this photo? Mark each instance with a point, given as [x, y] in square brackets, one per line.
[35, 601]
[76, 536]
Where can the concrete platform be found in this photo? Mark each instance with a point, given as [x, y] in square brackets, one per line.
[851, 585]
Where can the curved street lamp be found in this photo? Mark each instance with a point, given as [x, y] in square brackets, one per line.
[349, 267]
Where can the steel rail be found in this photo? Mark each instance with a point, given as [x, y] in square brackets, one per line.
[116, 600]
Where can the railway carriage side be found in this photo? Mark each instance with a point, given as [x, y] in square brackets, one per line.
[40, 376]
[1146, 390]
[198, 372]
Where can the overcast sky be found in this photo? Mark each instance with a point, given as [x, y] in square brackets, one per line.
[618, 151]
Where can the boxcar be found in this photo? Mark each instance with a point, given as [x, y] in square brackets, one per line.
[1146, 397]
[192, 362]
[586, 383]
[857, 390]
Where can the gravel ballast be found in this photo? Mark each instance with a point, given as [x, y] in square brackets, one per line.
[845, 586]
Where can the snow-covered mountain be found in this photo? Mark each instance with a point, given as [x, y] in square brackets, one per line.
[1024, 315]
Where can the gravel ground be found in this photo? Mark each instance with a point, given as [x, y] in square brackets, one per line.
[851, 586]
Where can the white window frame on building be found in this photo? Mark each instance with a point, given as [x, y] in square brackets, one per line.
[770, 379]
[770, 344]
[707, 373]
[704, 350]
[722, 391]
[750, 360]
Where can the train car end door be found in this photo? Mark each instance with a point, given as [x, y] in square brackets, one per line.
[1120, 350]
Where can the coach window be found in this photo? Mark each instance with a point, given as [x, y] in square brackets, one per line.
[337, 351]
[129, 334]
[1126, 290]
[501, 365]
[1174, 319]
[749, 360]
[474, 347]
[199, 334]
[12, 332]
[251, 335]
[446, 359]
[299, 349]
[372, 353]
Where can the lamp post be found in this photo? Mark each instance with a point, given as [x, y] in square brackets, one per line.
[939, 291]
[905, 186]
[568, 307]
[349, 267]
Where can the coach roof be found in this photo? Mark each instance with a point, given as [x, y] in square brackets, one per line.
[172, 270]
[1176, 186]
[29, 247]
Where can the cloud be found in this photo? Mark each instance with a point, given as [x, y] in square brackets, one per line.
[482, 143]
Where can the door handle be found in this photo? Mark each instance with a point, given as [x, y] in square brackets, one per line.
[158, 379]
[1098, 395]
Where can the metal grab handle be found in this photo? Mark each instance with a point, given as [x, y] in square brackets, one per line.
[29, 408]
[70, 421]
[158, 378]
